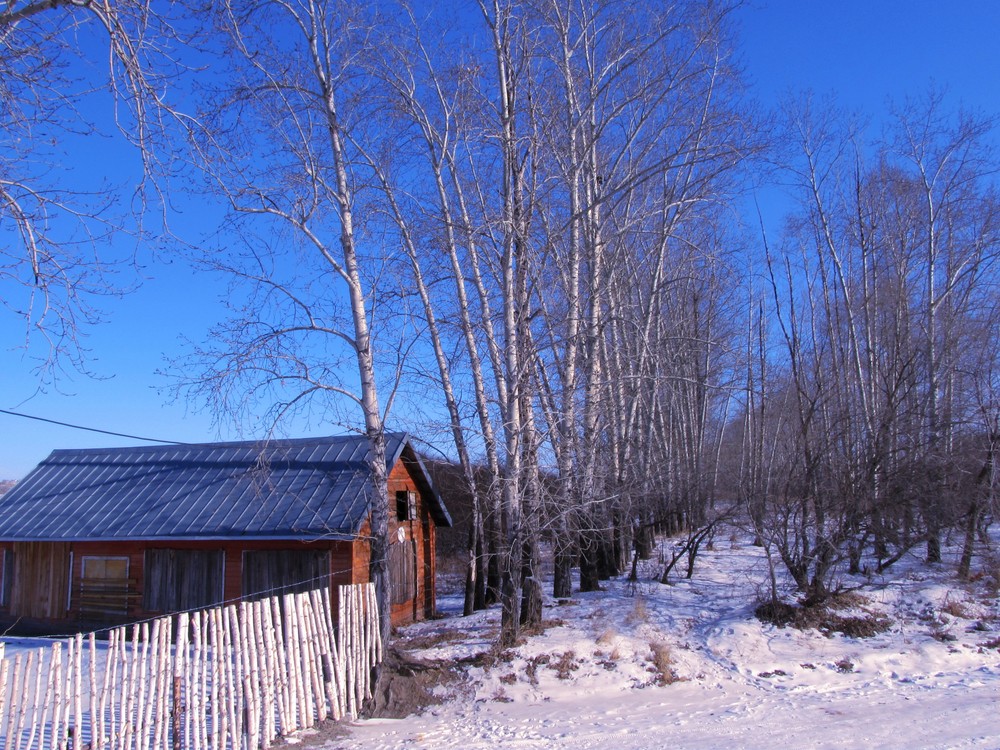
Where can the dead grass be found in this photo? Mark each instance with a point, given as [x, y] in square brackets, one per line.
[846, 600]
[608, 636]
[409, 684]
[430, 640]
[640, 612]
[662, 663]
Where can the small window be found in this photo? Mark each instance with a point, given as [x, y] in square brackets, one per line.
[104, 586]
[406, 505]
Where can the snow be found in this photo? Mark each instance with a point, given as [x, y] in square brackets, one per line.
[688, 666]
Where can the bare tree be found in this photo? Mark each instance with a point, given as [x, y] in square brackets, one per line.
[882, 275]
[75, 76]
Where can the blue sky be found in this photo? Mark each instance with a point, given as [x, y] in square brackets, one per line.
[864, 53]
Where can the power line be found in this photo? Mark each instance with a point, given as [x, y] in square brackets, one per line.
[90, 429]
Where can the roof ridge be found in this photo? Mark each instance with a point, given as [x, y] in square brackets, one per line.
[262, 444]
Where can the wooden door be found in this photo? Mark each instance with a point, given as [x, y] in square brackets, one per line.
[41, 580]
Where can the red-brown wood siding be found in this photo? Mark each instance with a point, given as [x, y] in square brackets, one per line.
[415, 530]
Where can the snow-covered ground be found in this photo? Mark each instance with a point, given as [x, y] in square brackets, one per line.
[688, 666]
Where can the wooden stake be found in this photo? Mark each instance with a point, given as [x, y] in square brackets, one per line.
[292, 651]
[161, 675]
[281, 667]
[78, 694]
[272, 688]
[38, 711]
[29, 672]
[243, 659]
[220, 723]
[199, 684]
[16, 692]
[181, 724]
[57, 737]
[106, 726]
[257, 679]
[233, 683]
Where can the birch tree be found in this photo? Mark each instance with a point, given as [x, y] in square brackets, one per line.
[537, 192]
[280, 146]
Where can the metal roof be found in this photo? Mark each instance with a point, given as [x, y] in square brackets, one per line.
[278, 489]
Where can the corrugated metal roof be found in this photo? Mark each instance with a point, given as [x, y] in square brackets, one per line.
[311, 487]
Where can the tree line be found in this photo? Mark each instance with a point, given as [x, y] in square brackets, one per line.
[521, 227]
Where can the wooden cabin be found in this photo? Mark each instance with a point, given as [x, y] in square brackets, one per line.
[106, 536]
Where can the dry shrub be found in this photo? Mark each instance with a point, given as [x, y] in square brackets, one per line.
[955, 608]
[610, 664]
[662, 663]
[639, 613]
[774, 673]
[565, 665]
[775, 613]
[507, 655]
[943, 636]
[844, 666]
[531, 667]
[991, 576]
[863, 626]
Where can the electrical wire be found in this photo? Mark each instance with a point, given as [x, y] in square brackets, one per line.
[90, 429]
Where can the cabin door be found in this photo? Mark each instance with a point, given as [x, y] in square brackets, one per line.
[41, 580]
[403, 571]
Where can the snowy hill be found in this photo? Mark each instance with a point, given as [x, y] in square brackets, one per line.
[689, 666]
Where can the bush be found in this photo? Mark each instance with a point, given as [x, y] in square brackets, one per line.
[775, 613]
[822, 618]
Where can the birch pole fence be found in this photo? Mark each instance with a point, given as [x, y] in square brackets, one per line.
[217, 679]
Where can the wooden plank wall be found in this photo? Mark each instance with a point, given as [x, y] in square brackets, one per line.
[42, 584]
